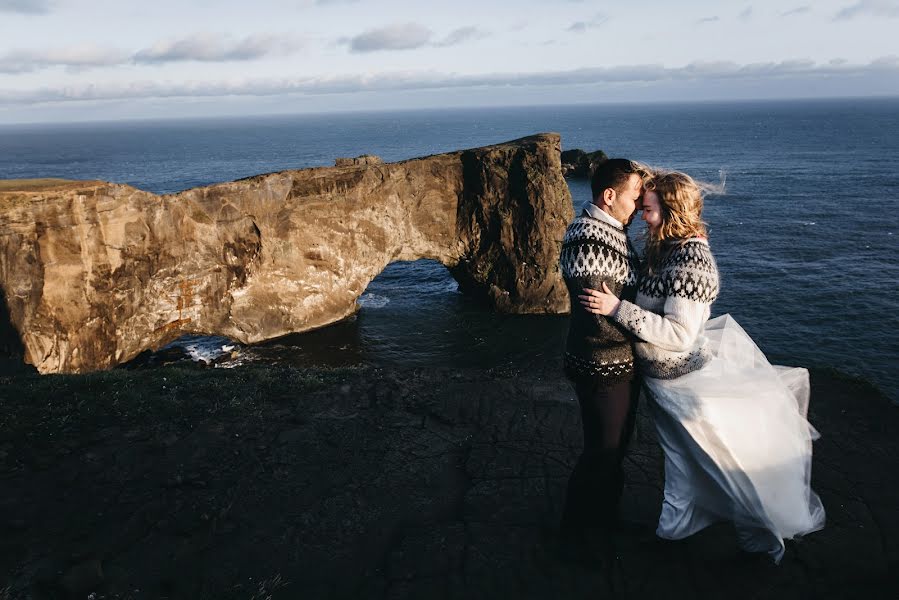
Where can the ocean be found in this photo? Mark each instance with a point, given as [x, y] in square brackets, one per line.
[805, 235]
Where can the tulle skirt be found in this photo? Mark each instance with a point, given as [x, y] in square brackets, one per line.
[737, 445]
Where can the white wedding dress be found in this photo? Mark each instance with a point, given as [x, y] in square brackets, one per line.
[733, 427]
[737, 444]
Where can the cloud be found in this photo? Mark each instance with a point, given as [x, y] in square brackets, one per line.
[886, 62]
[463, 34]
[30, 7]
[200, 47]
[72, 57]
[745, 14]
[799, 10]
[403, 36]
[409, 36]
[869, 8]
[583, 26]
[215, 48]
[707, 20]
[409, 81]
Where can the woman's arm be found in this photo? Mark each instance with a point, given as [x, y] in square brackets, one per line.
[675, 330]
[692, 284]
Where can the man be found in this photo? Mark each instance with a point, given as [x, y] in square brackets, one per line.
[598, 354]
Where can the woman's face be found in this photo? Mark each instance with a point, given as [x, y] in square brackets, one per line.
[652, 211]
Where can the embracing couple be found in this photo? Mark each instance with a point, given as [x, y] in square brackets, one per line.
[733, 427]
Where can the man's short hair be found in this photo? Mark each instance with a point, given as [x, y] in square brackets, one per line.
[614, 173]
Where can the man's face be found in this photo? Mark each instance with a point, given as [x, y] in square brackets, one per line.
[628, 199]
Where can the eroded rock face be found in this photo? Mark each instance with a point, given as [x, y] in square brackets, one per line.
[93, 273]
[365, 159]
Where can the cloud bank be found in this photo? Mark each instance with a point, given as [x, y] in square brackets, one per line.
[72, 57]
[199, 47]
[215, 48]
[408, 36]
[408, 81]
[403, 36]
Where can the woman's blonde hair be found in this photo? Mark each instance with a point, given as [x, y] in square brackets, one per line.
[680, 205]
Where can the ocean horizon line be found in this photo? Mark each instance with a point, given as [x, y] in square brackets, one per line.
[811, 100]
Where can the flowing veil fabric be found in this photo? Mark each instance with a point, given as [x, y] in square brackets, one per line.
[737, 445]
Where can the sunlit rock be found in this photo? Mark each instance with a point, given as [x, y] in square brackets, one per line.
[93, 273]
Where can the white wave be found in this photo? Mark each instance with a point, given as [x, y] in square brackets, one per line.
[237, 359]
[210, 350]
[370, 300]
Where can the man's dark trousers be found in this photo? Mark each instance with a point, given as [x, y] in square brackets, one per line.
[608, 413]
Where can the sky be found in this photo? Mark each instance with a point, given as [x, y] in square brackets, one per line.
[78, 60]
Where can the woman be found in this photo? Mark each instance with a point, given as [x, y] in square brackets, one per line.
[733, 429]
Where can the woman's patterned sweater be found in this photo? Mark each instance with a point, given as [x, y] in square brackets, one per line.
[672, 305]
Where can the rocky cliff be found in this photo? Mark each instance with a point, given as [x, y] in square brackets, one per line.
[93, 273]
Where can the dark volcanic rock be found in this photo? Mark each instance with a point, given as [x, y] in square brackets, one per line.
[83, 578]
[450, 486]
[577, 163]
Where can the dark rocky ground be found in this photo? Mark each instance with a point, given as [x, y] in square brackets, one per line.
[269, 482]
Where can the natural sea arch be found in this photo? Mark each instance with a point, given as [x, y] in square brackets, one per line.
[94, 273]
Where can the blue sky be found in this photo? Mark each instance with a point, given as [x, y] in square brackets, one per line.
[71, 60]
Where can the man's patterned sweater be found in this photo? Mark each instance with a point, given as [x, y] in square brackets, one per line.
[672, 306]
[596, 251]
